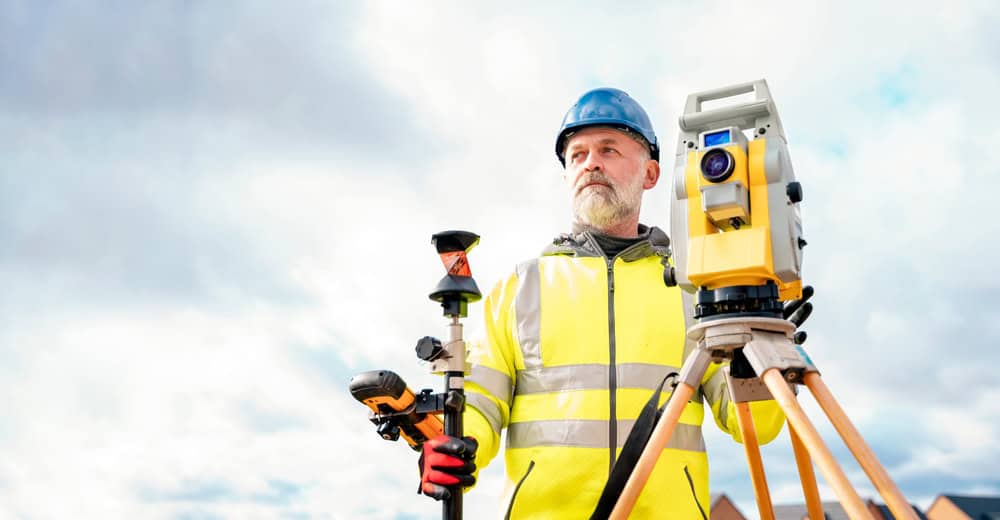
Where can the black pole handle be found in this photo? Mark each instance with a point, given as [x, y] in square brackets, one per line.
[454, 405]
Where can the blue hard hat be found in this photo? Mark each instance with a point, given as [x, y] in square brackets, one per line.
[607, 107]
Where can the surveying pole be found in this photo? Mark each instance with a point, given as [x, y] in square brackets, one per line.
[396, 410]
[453, 292]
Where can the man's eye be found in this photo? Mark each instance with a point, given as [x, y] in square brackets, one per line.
[609, 149]
[576, 156]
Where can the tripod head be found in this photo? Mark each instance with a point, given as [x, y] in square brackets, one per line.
[739, 301]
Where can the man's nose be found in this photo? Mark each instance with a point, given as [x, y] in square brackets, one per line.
[593, 162]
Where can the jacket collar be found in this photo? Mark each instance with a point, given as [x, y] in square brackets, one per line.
[583, 244]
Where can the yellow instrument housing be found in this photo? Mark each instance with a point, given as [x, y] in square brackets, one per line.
[718, 258]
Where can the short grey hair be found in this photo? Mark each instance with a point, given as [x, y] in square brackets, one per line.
[646, 147]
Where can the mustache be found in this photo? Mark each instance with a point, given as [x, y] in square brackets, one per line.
[593, 177]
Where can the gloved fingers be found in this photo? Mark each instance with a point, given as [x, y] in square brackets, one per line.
[466, 480]
[453, 445]
[447, 459]
[445, 462]
[450, 464]
[435, 491]
[792, 306]
[465, 447]
[799, 337]
[471, 445]
[801, 315]
[435, 483]
[445, 478]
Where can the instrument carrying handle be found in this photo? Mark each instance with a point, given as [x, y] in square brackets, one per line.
[745, 115]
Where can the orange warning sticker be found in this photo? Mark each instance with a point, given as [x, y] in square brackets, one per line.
[456, 263]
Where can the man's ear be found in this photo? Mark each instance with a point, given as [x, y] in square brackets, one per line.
[652, 174]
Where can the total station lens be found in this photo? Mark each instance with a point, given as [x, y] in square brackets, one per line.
[717, 165]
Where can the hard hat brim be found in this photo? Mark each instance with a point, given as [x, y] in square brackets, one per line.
[615, 123]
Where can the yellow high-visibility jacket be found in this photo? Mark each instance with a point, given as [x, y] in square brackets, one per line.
[574, 346]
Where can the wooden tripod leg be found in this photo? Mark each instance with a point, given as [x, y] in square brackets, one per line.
[865, 456]
[806, 475]
[651, 453]
[814, 443]
[752, 449]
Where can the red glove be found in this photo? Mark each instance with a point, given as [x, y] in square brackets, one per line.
[447, 462]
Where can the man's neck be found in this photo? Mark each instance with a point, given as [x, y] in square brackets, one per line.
[625, 229]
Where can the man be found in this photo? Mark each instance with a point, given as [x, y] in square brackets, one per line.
[579, 339]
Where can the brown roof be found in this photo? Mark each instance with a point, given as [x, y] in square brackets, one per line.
[832, 509]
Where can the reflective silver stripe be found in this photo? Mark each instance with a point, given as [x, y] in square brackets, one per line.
[527, 307]
[687, 303]
[486, 407]
[560, 378]
[643, 375]
[494, 381]
[590, 377]
[592, 434]
[715, 391]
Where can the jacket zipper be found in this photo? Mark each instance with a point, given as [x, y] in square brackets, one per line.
[693, 494]
[612, 371]
[517, 488]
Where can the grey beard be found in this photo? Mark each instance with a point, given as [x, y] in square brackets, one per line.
[600, 210]
[604, 209]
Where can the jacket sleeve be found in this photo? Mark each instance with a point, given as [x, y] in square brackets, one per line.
[490, 384]
[768, 418]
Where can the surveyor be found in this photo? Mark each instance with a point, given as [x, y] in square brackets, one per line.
[578, 339]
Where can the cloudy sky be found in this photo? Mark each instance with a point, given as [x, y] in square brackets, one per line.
[212, 214]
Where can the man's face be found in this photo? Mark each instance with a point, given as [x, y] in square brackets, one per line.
[606, 172]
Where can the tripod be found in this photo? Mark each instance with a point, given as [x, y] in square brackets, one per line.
[777, 362]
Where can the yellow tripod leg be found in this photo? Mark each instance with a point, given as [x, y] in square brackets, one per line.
[866, 458]
[806, 475]
[814, 443]
[752, 449]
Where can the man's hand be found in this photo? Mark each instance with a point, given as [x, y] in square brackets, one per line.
[445, 462]
[797, 311]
